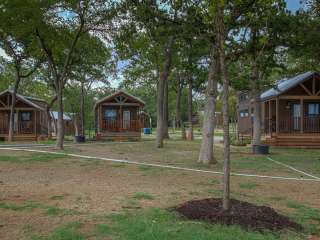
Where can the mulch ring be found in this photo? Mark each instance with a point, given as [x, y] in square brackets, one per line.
[245, 214]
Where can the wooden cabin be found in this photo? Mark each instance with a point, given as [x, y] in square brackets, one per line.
[69, 124]
[118, 117]
[290, 112]
[30, 119]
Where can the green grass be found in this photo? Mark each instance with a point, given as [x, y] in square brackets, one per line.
[57, 197]
[149, 170]
[162, 224]
[55, 211]
[35, 157]
[69, 231]
[28, 206]
[142, 196]
[158, 224]
[102, 229]
[248, 185]
[21, 207]
[307, 216]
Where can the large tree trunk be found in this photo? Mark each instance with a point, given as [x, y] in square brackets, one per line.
[49, 106]
[161, 92]
[206, 154]
[178, 105]
[60, 124]
[82, 110]
[13, 106]
[255, 94]
[190, 82]
[166, 112]
[225, 113]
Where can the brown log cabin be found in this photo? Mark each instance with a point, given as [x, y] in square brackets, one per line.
[118, 117]
[290, 112]
[30, 119]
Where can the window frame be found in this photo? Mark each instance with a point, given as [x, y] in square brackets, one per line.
[23, 114]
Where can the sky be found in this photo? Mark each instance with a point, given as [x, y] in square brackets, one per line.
[293, 5]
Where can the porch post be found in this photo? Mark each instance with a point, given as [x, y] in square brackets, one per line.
[100, 119]
[301, 115]
[35, 122]
[270, 117]
[121, 120]
[16, 123]
[277, 115]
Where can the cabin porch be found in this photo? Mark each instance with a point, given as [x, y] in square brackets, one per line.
[119, 122]
[292, 121]
[28, 124]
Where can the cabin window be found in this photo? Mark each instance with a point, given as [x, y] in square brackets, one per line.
[110, 114]
[243, 97]
[244, 113]
[25, 116]
[313, 109]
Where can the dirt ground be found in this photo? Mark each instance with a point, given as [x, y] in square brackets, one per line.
[92, 187]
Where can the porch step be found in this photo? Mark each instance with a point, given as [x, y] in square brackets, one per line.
[295, 141]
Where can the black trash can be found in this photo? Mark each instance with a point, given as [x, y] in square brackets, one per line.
[79, 139]
[260, 149]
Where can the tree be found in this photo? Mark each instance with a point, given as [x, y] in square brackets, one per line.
[19, 45]
[206, 155]
[92, 66]
[59, 35]
[263, 41]
[157, 24]
[227, 16]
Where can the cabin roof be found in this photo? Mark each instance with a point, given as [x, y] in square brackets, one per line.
[286, 84]
[134, 98]
[28, 100]
[66, 116]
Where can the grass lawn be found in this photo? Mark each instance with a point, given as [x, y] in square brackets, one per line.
[54, 197]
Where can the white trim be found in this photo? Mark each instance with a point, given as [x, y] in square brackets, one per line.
[292, 168]
[116, 93]
[160, 165]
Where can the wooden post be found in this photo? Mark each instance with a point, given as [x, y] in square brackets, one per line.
[35, 122]
[313, 85]
[100, 118]
[301, 115]
[277, 115]
[121, 120]
[270, 117]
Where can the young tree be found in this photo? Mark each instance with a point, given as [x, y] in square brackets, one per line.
[227, 17]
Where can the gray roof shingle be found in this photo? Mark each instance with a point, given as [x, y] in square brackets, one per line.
[285, 84]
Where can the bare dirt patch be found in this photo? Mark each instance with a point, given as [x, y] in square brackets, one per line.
[245, 214]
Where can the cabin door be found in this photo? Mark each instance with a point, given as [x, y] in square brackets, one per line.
[296, 114]
[126, 119]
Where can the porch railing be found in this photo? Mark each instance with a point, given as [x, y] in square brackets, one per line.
[293, 125]
[4, 127]
[25, 127]
[121, 126]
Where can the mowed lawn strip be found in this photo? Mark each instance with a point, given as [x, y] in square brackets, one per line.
[185, 153]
